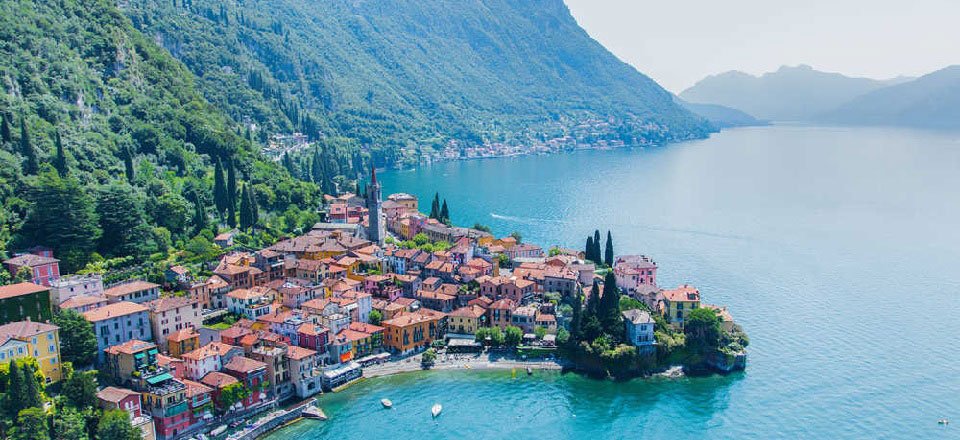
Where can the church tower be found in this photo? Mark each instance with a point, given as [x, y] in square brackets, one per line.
[375, 232]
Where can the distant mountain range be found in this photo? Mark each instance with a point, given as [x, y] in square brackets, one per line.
[722, 116]
[931, 101]
[790, 94]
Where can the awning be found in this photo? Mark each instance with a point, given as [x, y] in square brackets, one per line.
[139, 355]
[159, 378]
[153, 352]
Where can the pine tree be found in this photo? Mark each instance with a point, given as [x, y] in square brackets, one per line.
[317, 169]
[246, 208]
[594, 299]
[30, 165]
[219, 189]
[288, 164]
[254, 207]
[444, 212]
[588, 249]
[231, 194]
[609, 308]
[6, 135]
[608, 252]
[60, 163]
[122, 220]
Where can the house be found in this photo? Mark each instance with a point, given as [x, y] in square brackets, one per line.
[42, 343]
[274, 358]
[726, 319]
[524, 317]
[466, 320]
[25, 301]
[335, 377]
[305, 374]
[83, 303]
[199, 401]
[437, 300]
[69, 286]
[250, 303]
[174, 365]
[176, 275]
[11, 349]
[560, 280]
[171, 314]
[547, 321]
[133, 291]
[314, 337]
[127, 362]
[238, 271]
[129, 401]
[183, 341]
[210, 357]
[43, 269]
[366, 338]
[119, 322]
[413, 331]
[165, 399]
[405, 200]
[500, 313]
[634, 271]
[677, 302]
[639, 327]
[524, 251]
[217, 381]
[293, 294]
[225, 239]
[253, 375]
[210, 293]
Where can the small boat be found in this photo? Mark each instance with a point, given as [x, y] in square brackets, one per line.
[218, 430]
[943, 422]
[236, 423]
[529, 371]
[436, 409]
[386, 403]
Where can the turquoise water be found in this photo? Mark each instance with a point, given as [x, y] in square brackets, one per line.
[837, 249]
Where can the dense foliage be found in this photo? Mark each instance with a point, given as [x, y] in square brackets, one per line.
[129, 139]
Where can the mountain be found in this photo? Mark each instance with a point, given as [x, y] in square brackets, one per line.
[789, 94]
[139, 140]
[721, 116]
[411, 74]
[930, 101]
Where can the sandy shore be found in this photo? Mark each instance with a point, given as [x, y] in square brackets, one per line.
[483, 361]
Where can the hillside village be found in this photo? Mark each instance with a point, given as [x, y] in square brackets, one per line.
[308, 313]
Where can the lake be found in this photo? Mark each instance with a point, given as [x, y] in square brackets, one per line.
[837, 250]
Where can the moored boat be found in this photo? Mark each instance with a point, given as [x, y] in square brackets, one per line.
[218, 430]
[386, 403]
[436, 409]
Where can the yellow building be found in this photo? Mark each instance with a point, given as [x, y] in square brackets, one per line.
[679, 302]
[183, 341]
[42, 343]
[466, 320]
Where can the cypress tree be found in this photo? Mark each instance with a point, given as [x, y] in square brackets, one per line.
[594, 299]
[231, 194]
[597, 254]
[128, 166]
[317, 169]
[288, 164]
[31, 165]
[575, 319]
[60, 163]
[608, 252]
[444, 212]
[588, 250]
[435, 207]
[609, 307]
[31, 391]
[5, 133]
[245, 208]
[219, 189]
[13, 401]
[254, 207]
[199, 216]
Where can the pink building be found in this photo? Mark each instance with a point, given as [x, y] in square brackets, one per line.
[42, 266]
[635, 271]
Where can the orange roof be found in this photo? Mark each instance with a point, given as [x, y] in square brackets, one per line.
[298, 353]
[211, 349]
[218, 380]
[243, 294]
[81, 300]
[471, 311]
[311, 329]
[195, 388]
[365, 327]
[114, 394]
[114, 310]
[170, 303]
[128, 288]
[20, 289]
[505, 303]
[183, 335]
[132, 346]
[23, 329]
[352, 335]
[243, 364]
[686, 293]
[413, 318]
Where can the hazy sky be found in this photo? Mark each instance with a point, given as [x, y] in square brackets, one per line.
[678, 42]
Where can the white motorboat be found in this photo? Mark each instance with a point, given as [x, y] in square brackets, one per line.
[436, 409]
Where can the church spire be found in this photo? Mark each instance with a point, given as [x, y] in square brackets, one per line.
[373, 175]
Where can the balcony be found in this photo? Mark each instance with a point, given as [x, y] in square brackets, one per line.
[173, 410]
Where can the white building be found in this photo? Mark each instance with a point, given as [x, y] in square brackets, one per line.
[70, 286]
[639, 325]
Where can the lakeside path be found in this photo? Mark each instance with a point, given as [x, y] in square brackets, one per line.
[483, 361]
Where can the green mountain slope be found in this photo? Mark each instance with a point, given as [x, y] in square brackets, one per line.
[126, 111]
[789, 94]
[931, 101]
[397, 73]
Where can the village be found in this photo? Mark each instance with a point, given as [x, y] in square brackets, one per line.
[358, 295]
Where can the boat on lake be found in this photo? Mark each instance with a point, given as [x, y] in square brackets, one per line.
[529, 371]
[386, 403]
[436, 409]
[218, 430]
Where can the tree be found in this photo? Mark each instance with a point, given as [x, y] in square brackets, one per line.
[63, 217]
[597, 255]
[128, 167]
[31, 397]
[702, 328]
[421, 239]
[608, 310]
[575, 319]
[429, 358]
[246, 222]
[512, 336]
[608, 252]
[78, 342]
[31, 425]
[16, 387]
[231, 194]
[6, 134]
[219, 189]
[232, 394]
[588, 249]
[123, 222]
[375, 317]
[60, 162]
[30, 164]
[199, 216]
[444, 212]
[435, 207]
[539, 331]
[115, 425]
[69, 424]
[517, 236]
[80, 389]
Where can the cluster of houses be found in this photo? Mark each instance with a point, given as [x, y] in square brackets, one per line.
[307, 313]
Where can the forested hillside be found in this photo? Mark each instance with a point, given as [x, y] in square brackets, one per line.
[401, 73]
[108, 148]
